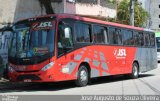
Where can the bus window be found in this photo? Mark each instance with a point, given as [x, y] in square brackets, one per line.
[99, 34]
[83, 32]
[146, 39]
[152, 39]
[111, 35]
[136, 39]
[118, 37]
[141, 39]
[128, 38]
[115, 36]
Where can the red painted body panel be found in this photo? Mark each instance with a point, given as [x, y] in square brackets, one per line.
[116, 64]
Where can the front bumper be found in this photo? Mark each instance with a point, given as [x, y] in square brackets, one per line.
[31, 77]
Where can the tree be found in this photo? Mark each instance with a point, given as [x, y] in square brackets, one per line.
[123, 13]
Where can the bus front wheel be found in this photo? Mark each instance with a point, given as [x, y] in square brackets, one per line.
[82, 76]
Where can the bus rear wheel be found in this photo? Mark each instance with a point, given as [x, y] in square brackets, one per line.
[82, 76]
[135, 71]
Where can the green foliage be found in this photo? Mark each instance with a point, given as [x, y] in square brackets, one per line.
[123, 13]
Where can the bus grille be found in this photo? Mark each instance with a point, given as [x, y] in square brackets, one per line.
[31, 77]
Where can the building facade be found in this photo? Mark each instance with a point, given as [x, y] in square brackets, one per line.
[153, 8]
[14, 10]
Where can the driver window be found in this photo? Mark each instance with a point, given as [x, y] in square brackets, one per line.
[65, 38]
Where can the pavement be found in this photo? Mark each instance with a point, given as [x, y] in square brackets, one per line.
[146, 84]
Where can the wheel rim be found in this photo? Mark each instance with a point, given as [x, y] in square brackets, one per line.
[83, 75]
[135, 70]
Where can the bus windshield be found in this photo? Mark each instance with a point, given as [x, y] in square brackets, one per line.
[33, 42]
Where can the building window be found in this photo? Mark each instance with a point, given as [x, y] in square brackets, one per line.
[159, 26]
[159, 6]
[159, 16]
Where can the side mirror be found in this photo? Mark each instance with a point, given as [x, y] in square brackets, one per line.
[67, 32]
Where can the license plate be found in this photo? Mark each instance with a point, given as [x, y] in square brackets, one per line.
[28, 80]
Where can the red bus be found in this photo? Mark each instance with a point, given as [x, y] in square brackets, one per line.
[64, 47]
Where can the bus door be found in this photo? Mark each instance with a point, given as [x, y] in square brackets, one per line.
[64, 46]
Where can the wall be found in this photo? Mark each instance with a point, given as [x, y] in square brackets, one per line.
[14, 10]
[155, 12]
[90, 10]
[27, 8]
[7, 11]
[152, 7]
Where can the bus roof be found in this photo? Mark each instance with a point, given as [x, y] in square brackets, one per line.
[93, 20]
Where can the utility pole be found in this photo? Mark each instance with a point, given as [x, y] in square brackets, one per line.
[116, 9]
[132, 4]
[150, 22]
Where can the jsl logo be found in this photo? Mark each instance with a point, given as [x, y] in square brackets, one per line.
[120, 53]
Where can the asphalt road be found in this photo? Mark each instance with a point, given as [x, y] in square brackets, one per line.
[147, 84]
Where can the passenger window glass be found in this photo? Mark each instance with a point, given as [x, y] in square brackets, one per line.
[115, 36]
[146, 39]
[128, 37]
[136, 39]
[99, 34]
[82, 32]
[65, 38]
[111, 35]
[152, 37]
[118, 37]
[141, 39]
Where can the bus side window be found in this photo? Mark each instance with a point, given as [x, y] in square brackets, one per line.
[128, 37]
[83, 32]
[136, 39]
[105, 31]
[152, 39]
[118, 37]
[115, 36]
[99, 34]
[141, 39]
[146, 39]
[111, 32]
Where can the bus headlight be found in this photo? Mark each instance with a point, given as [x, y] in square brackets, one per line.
[48, 66]
[11, 69]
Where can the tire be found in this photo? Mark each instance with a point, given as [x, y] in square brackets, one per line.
[135, 71]
[82, 76]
